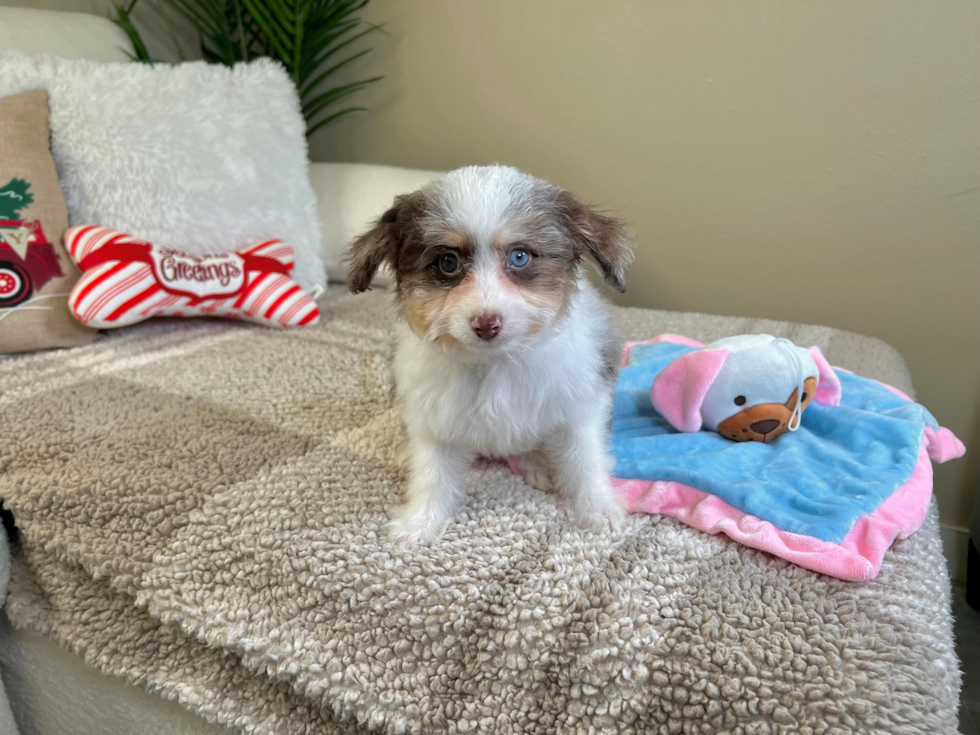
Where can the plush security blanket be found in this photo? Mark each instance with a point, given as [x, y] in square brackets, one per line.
[831, 496]
[201, 508]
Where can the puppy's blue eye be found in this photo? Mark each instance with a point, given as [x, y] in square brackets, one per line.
[449, 263]
[519, 258]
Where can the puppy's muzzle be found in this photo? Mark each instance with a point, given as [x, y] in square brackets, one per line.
[487, 326]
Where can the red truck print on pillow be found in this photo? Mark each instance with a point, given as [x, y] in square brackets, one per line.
[27, 259]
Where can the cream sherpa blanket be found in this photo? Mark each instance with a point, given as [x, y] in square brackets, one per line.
[201, 508]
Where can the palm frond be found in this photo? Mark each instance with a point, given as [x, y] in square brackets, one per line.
[320, 101]
[122, 20]
[331, 118]
[336, 67]
[303, 35]
[317, 60]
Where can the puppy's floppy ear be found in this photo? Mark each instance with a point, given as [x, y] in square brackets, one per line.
[379, 244]
[602, 239]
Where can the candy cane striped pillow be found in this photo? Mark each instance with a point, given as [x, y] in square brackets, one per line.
[126, 280]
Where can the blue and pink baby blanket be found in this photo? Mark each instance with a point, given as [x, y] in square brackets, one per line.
[830, 497]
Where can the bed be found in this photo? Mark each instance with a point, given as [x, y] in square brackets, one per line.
[200, 510]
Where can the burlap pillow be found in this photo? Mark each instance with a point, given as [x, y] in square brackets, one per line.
[36, 274]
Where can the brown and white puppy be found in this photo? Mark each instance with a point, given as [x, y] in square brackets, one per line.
[504, 347]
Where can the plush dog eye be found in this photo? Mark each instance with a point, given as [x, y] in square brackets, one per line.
[804, 397]
[739, 400]
[448, 263]
[519, 258]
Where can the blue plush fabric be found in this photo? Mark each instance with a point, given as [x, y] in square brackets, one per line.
[842, 462]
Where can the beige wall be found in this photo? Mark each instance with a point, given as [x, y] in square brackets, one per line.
[818, 161]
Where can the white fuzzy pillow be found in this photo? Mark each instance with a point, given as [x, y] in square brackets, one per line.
[197, 157]
[351, 197]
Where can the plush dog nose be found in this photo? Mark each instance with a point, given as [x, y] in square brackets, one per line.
[486, 326]
[764, 427]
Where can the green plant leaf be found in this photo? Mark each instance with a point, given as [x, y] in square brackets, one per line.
[318, 60]
[122, 20]
[331, 118]
[316, 82]
[321, 101]
[270, 27]
[303, 35]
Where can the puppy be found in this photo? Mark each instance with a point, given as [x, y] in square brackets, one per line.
[504, 348]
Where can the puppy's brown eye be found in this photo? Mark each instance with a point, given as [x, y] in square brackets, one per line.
[739, 400]
[448, 263]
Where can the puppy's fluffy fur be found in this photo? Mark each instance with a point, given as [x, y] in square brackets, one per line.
[504, 347]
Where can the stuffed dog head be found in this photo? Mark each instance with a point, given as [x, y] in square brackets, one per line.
[752, 387]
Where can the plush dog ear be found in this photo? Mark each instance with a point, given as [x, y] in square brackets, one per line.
[679, 389]
[828, 384]
[380, 244]
[602, 239]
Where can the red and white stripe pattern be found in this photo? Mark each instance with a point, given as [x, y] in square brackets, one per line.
[119, 285]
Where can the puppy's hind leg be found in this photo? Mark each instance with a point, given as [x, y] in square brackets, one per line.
[580, 469]
[436, 475]
[537, 470]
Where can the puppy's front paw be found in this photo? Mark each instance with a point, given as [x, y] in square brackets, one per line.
[598, 515]
[412, 528]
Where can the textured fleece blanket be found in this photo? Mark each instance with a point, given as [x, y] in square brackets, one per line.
[831, 496]
[7, 724]
[201, 511]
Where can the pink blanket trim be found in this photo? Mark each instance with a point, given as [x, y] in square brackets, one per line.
[677, 339]
[857, 558]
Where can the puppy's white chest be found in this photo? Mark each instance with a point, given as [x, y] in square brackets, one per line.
[497, 409]
[498, 412]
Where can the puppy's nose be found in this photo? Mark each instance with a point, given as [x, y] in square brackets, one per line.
[486, 326]
[764, 427]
